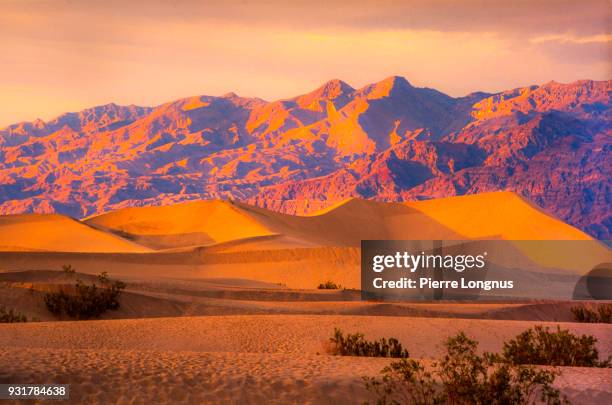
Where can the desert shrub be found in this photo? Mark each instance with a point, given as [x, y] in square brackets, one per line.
[405, 382]
[68, 269]
[329, 285]
[469, 378]
[10, 316]
[462, 377]
[86, 301]
[357, 345]
[605, 313]
[558, 348]
[583, 313]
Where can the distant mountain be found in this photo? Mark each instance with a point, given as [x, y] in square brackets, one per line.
[387, 141]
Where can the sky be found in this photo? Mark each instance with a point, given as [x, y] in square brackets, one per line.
[66, 55]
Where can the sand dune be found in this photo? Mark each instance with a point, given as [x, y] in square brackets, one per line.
[50, 232]
[490, 215]
[186, 224]
[212, 222]
[498, 214]
[217, 239]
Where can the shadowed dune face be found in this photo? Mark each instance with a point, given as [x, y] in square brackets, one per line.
[188, 224]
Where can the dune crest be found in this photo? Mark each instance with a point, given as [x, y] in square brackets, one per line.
[497, 215]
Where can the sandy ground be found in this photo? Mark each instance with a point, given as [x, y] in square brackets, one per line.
[164, 297]
[221, 303]
[261, 343]
[244, 359]
[270, 333]
[138, 377]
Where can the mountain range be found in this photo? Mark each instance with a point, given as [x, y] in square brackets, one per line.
[388, 141]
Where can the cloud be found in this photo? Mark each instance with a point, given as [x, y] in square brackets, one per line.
[572, 39]
[148, 52]
[585, 17]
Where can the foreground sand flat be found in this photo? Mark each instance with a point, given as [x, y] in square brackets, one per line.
[271, 333]
[136, 376]
[246, 359]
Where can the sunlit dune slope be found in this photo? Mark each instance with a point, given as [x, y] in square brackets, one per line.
[505, 215]
[501, 214]
[50, 232]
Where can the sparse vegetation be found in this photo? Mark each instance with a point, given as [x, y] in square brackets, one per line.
[462, 377]
[68, 269]
[584, 313]
[329, 285]
[86, 301]
[559, 348]
[357, 345]
[11, 316]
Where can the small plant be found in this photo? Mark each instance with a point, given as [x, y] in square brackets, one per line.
[405, 382]
[583, 313]
[605, 313]
[357, 345]
[470, 378]
[462, 377]
[559, 348]
[68, 269]
[10, 316]
[86, 301]
[329, 285]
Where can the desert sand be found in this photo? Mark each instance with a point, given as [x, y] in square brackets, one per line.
[502, 214]
[221, 239]
[57, 233]
[244, 359]
[221, 304]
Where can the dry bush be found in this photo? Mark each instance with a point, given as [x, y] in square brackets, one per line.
[583, 313]
[11, 316]
[558, 348]
[86, 301]
[462, 377]
[329, 285]
[357, 345]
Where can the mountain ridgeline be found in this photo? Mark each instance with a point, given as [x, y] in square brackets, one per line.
[388, 141]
